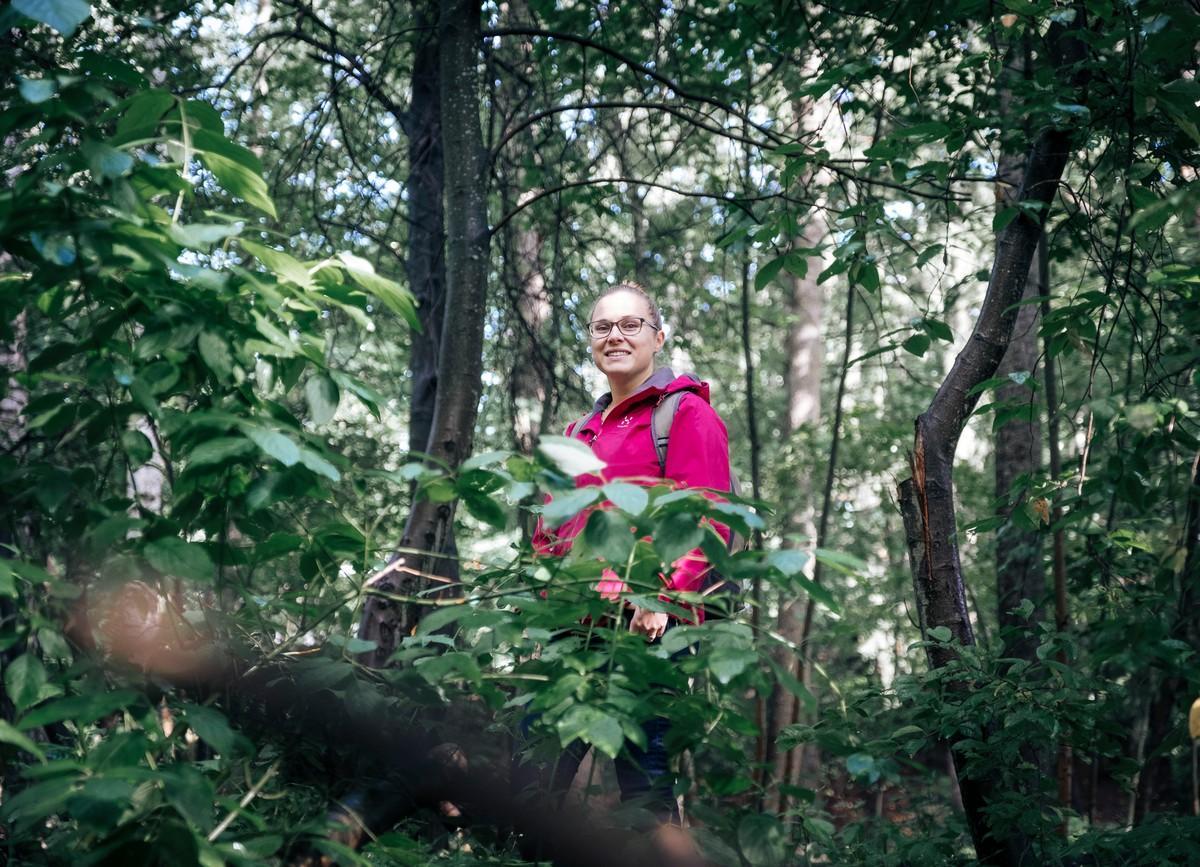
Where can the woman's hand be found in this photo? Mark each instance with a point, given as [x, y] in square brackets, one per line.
[651, 624]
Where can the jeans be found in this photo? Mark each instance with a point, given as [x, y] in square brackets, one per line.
[643, 774]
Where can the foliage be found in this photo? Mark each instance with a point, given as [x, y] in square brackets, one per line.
[206, 450]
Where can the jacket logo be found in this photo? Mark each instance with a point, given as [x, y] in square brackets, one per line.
[625, 421]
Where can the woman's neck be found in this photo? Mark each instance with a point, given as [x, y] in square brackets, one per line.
[621, 390]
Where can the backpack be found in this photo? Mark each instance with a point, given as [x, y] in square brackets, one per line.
[660, 427]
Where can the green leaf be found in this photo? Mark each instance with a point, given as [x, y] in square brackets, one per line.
[213, 141]
[789, 561]
[63, 15]
[9, 735]
[916, 344]
[841, 561]
[629, 498]
[608, 534]
[173, 556]
[727, 661]
[928, 253]
[203, 235]
[319, 465]
[867, 276]
[768, 272]
[605, 734]
[283, 265]
[25, 681]
[940, 633]
[38, 90]
[1179, 98]
[142, 114]
[937, 329]
[485, 509]
[568, 505]
[571, 456]
[105, 161]
[137, 446]
[762, 840]
[393, 296]
[275, 444]
[80, 709]
[219, 450]
[190, 793]
[322, 395]
[211, 726]
[215, 352]
[1004, 217]
[238, 180]
[793, 684]
[676, 535]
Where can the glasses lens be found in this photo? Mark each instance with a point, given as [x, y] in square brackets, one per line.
[630, 326]
[599, 329]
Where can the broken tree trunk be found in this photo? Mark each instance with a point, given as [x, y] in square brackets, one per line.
[927, 498]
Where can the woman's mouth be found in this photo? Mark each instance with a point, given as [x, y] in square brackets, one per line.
[616, 353]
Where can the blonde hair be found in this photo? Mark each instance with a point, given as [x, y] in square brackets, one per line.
[637, 289]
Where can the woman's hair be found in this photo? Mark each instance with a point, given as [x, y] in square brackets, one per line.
[636, 289]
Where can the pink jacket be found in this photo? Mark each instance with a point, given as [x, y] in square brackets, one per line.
[697, 457]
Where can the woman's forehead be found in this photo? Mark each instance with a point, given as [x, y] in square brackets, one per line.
[621, 304]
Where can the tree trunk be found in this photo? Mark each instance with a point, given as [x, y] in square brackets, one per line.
[426, 263]
[1169, 707]
[927, 498]
[1019, 571]
[460, 360]
[805, 351]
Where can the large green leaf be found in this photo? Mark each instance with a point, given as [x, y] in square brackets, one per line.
[762, 840]
[284, 265]
[25, 681]
[279, 446]
[238, 180]
[211, 726]
[394, 296]
[80, 709]
[568, 505]
[63, 15]
[570, 455]
[322, 395]
[9, 735]
[173, 556]
[627, 497]
[219, 450]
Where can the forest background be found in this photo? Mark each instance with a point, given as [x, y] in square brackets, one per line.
[293, 305]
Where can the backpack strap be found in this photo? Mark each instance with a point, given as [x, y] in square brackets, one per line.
[581, 423]
[661, 419]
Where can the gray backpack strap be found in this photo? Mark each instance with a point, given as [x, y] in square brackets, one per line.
[660, 425]
[580, 423]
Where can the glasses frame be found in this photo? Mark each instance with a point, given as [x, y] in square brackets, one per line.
[642, 321]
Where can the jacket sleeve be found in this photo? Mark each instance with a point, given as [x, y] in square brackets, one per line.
[697, 457]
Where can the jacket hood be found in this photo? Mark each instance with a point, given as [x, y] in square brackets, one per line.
[661, 381]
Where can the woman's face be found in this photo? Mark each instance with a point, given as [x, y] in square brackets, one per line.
[619, 356]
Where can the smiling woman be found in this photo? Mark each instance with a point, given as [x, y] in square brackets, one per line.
[625, 330]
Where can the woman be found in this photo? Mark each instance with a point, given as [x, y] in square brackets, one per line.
[625, 332]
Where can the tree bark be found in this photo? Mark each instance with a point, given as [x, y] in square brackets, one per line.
[1019, 571]
[1170, 704]
[460, 357]
[927, 498]
[426, 263]
[805, 351]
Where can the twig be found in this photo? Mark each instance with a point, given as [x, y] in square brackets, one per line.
[246, 799]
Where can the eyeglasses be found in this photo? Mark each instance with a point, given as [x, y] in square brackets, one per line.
[630, 326]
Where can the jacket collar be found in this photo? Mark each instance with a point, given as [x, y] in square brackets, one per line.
[658, 382]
